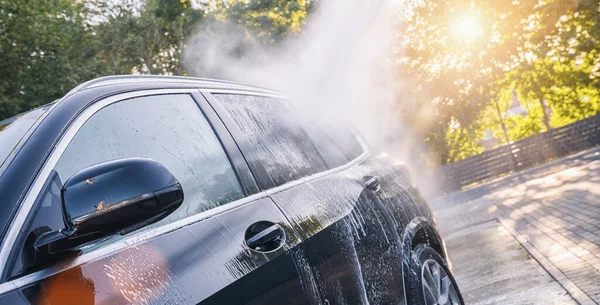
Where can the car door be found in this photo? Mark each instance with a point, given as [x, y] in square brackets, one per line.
[317, 175]
[226, 244]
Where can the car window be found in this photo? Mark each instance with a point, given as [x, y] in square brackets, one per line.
[346, 140]
[336, 144]
[275, 134]
[170, 129]
[13, 129]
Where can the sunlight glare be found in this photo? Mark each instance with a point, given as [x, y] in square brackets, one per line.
[467, 29]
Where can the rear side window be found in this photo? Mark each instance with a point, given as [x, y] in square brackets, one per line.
[346, 140]
[336, 144]
[276, 136]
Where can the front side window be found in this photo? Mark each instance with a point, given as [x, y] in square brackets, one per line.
[170, 129]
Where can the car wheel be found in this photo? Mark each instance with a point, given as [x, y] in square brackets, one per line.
[430, 281]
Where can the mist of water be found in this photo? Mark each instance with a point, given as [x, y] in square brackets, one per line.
[340, 68]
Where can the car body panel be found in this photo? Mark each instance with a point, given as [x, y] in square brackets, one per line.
[351, 245]
[186, 265]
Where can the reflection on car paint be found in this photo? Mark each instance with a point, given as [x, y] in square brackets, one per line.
[69, 287]
[143, 274]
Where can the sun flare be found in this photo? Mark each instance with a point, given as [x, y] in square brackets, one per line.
[467, 29]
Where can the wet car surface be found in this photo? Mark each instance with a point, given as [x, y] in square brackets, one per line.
[166, 190]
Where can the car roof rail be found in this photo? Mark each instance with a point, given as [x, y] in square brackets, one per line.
[120, 79]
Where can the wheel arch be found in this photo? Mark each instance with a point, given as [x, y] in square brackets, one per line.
[419, 231]
[422, 231]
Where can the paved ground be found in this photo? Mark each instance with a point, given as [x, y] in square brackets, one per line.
[528, 238]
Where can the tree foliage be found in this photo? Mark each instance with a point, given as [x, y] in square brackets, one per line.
[466, 55]
[149, 39]
[271, 21]
[48, 47]
[466, 62]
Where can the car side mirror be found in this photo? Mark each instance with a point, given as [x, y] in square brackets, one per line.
[114, 197]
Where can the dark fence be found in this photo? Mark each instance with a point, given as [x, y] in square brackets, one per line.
[522, 154]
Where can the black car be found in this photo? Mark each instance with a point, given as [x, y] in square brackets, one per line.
[172, 190]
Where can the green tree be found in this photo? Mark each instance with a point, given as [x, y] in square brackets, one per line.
[149, 39]
[46, 48]
[270, 21]
[465, 54]
[49, 47]
[556, 64]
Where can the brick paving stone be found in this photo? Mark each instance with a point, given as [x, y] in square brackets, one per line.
[559, 214]
[576, 268]
[588, 257]
[564, 259]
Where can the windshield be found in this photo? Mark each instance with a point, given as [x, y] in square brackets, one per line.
[13, 129]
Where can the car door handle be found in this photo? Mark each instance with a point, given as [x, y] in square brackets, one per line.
[268, 239]
[373, 183]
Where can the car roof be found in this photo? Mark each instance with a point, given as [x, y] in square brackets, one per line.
[201, 83]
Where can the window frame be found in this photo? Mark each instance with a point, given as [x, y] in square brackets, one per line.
[234, 155]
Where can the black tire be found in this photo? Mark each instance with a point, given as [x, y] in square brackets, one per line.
[418, 294]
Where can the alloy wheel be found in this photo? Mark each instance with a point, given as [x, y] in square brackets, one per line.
[438, 287]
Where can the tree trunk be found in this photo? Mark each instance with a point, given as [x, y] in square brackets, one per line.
[505, 130]
[499, 112]
[545, 117]
[443, 147]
